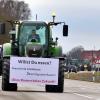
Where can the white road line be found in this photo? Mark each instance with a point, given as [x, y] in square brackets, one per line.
[98, 99]
[83, 88]
[83, 96]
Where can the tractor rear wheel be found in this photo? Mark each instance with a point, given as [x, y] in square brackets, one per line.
[6, 86]
[60, 87]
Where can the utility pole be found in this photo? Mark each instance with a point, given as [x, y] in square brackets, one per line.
[36, 17]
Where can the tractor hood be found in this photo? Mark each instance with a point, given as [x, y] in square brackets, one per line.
[34, 49]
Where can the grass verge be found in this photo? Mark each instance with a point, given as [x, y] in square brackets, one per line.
[84, 76]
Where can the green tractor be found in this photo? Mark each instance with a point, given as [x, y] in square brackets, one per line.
[21, 45]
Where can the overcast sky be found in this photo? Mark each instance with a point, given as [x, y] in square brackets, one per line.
[82, 16]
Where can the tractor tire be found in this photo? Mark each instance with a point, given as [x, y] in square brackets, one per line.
[60, 87]
[6, 86]
[0, 67]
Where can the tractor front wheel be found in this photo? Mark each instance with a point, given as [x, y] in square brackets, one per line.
[60, 87]
[6, 86]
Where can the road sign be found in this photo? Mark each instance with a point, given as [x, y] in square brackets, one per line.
[97, 61]
[34, 70]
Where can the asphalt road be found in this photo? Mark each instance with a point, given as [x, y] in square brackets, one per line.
[73, 90]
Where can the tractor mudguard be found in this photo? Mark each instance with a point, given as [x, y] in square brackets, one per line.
[56, 51]
[6, 49]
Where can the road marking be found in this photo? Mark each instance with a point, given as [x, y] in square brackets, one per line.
[83, 88]
[83, 96]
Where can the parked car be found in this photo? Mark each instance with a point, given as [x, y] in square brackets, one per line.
[97, 69]
[72, 68]
[66, 69]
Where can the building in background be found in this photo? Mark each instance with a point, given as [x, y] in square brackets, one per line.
[4, 35]
[90, 55]
[93, 57]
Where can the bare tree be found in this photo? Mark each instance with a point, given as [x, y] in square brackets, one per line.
[14, 10]
[75, 53]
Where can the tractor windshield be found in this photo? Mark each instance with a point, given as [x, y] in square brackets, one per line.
[27, 30]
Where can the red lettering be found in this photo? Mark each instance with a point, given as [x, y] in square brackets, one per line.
[14, 79]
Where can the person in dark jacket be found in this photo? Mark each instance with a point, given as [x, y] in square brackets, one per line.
[34, 37]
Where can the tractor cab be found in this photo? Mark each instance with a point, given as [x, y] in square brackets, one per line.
[32, 32]
[32, 38]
